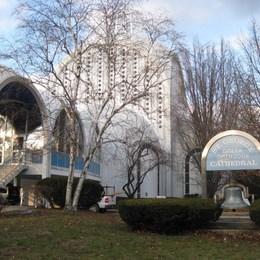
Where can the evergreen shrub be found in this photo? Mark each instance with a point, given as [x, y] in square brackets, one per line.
[53, 189]
[254, 211]
[168, 216]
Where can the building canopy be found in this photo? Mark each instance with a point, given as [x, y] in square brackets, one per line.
[19, 105]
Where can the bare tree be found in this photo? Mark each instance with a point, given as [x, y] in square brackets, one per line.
[141, 156]
[98, 57]
[209, 100]
[248, 77]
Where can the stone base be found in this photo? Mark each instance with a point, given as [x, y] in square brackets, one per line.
[236, 210]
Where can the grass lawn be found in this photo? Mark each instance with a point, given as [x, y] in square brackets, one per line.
[52, 234]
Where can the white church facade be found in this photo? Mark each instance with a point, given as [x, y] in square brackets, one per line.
[32, 122]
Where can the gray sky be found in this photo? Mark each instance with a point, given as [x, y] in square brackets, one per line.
[209, 20]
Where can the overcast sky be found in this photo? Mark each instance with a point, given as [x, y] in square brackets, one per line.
[207, 19]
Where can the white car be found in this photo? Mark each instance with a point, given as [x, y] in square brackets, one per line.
[107, 202]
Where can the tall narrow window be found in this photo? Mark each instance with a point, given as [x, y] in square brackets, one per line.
[62, 136]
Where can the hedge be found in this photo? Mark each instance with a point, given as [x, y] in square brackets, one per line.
[168, 216]
[254, 212]
[54, 190]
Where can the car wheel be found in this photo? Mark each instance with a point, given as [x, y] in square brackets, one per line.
[94, 208]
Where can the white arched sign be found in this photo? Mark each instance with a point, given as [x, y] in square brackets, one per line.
[229, 150]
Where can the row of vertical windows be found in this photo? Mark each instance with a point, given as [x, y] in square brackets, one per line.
[116, 72]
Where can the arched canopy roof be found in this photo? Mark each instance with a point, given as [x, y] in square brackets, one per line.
[18, 103]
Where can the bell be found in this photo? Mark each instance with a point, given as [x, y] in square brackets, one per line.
[233, 198]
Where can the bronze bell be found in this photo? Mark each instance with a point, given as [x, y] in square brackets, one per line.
[233, 198]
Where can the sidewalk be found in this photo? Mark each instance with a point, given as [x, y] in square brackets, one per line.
[231, 222]
[18, 210]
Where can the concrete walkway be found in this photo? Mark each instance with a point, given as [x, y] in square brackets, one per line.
[230, 222]
[18, 210]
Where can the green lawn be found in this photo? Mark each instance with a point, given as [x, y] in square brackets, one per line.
[52, 234]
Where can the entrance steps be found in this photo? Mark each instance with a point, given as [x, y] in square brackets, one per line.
[9, 172]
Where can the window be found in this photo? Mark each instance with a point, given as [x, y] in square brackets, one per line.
[63, 137]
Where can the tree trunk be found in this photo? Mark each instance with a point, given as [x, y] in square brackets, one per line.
[68, 199]
[78, 190]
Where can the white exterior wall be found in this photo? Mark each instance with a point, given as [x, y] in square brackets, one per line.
[113, 169]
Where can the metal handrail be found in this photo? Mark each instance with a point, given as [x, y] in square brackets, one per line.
[11, 164]
[14, 164]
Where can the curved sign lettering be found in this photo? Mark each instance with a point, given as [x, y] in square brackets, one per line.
[234, 151]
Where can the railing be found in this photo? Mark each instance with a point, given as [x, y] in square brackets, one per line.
[62, 160]
[17, 161]
[13, 158]
[11, 167]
